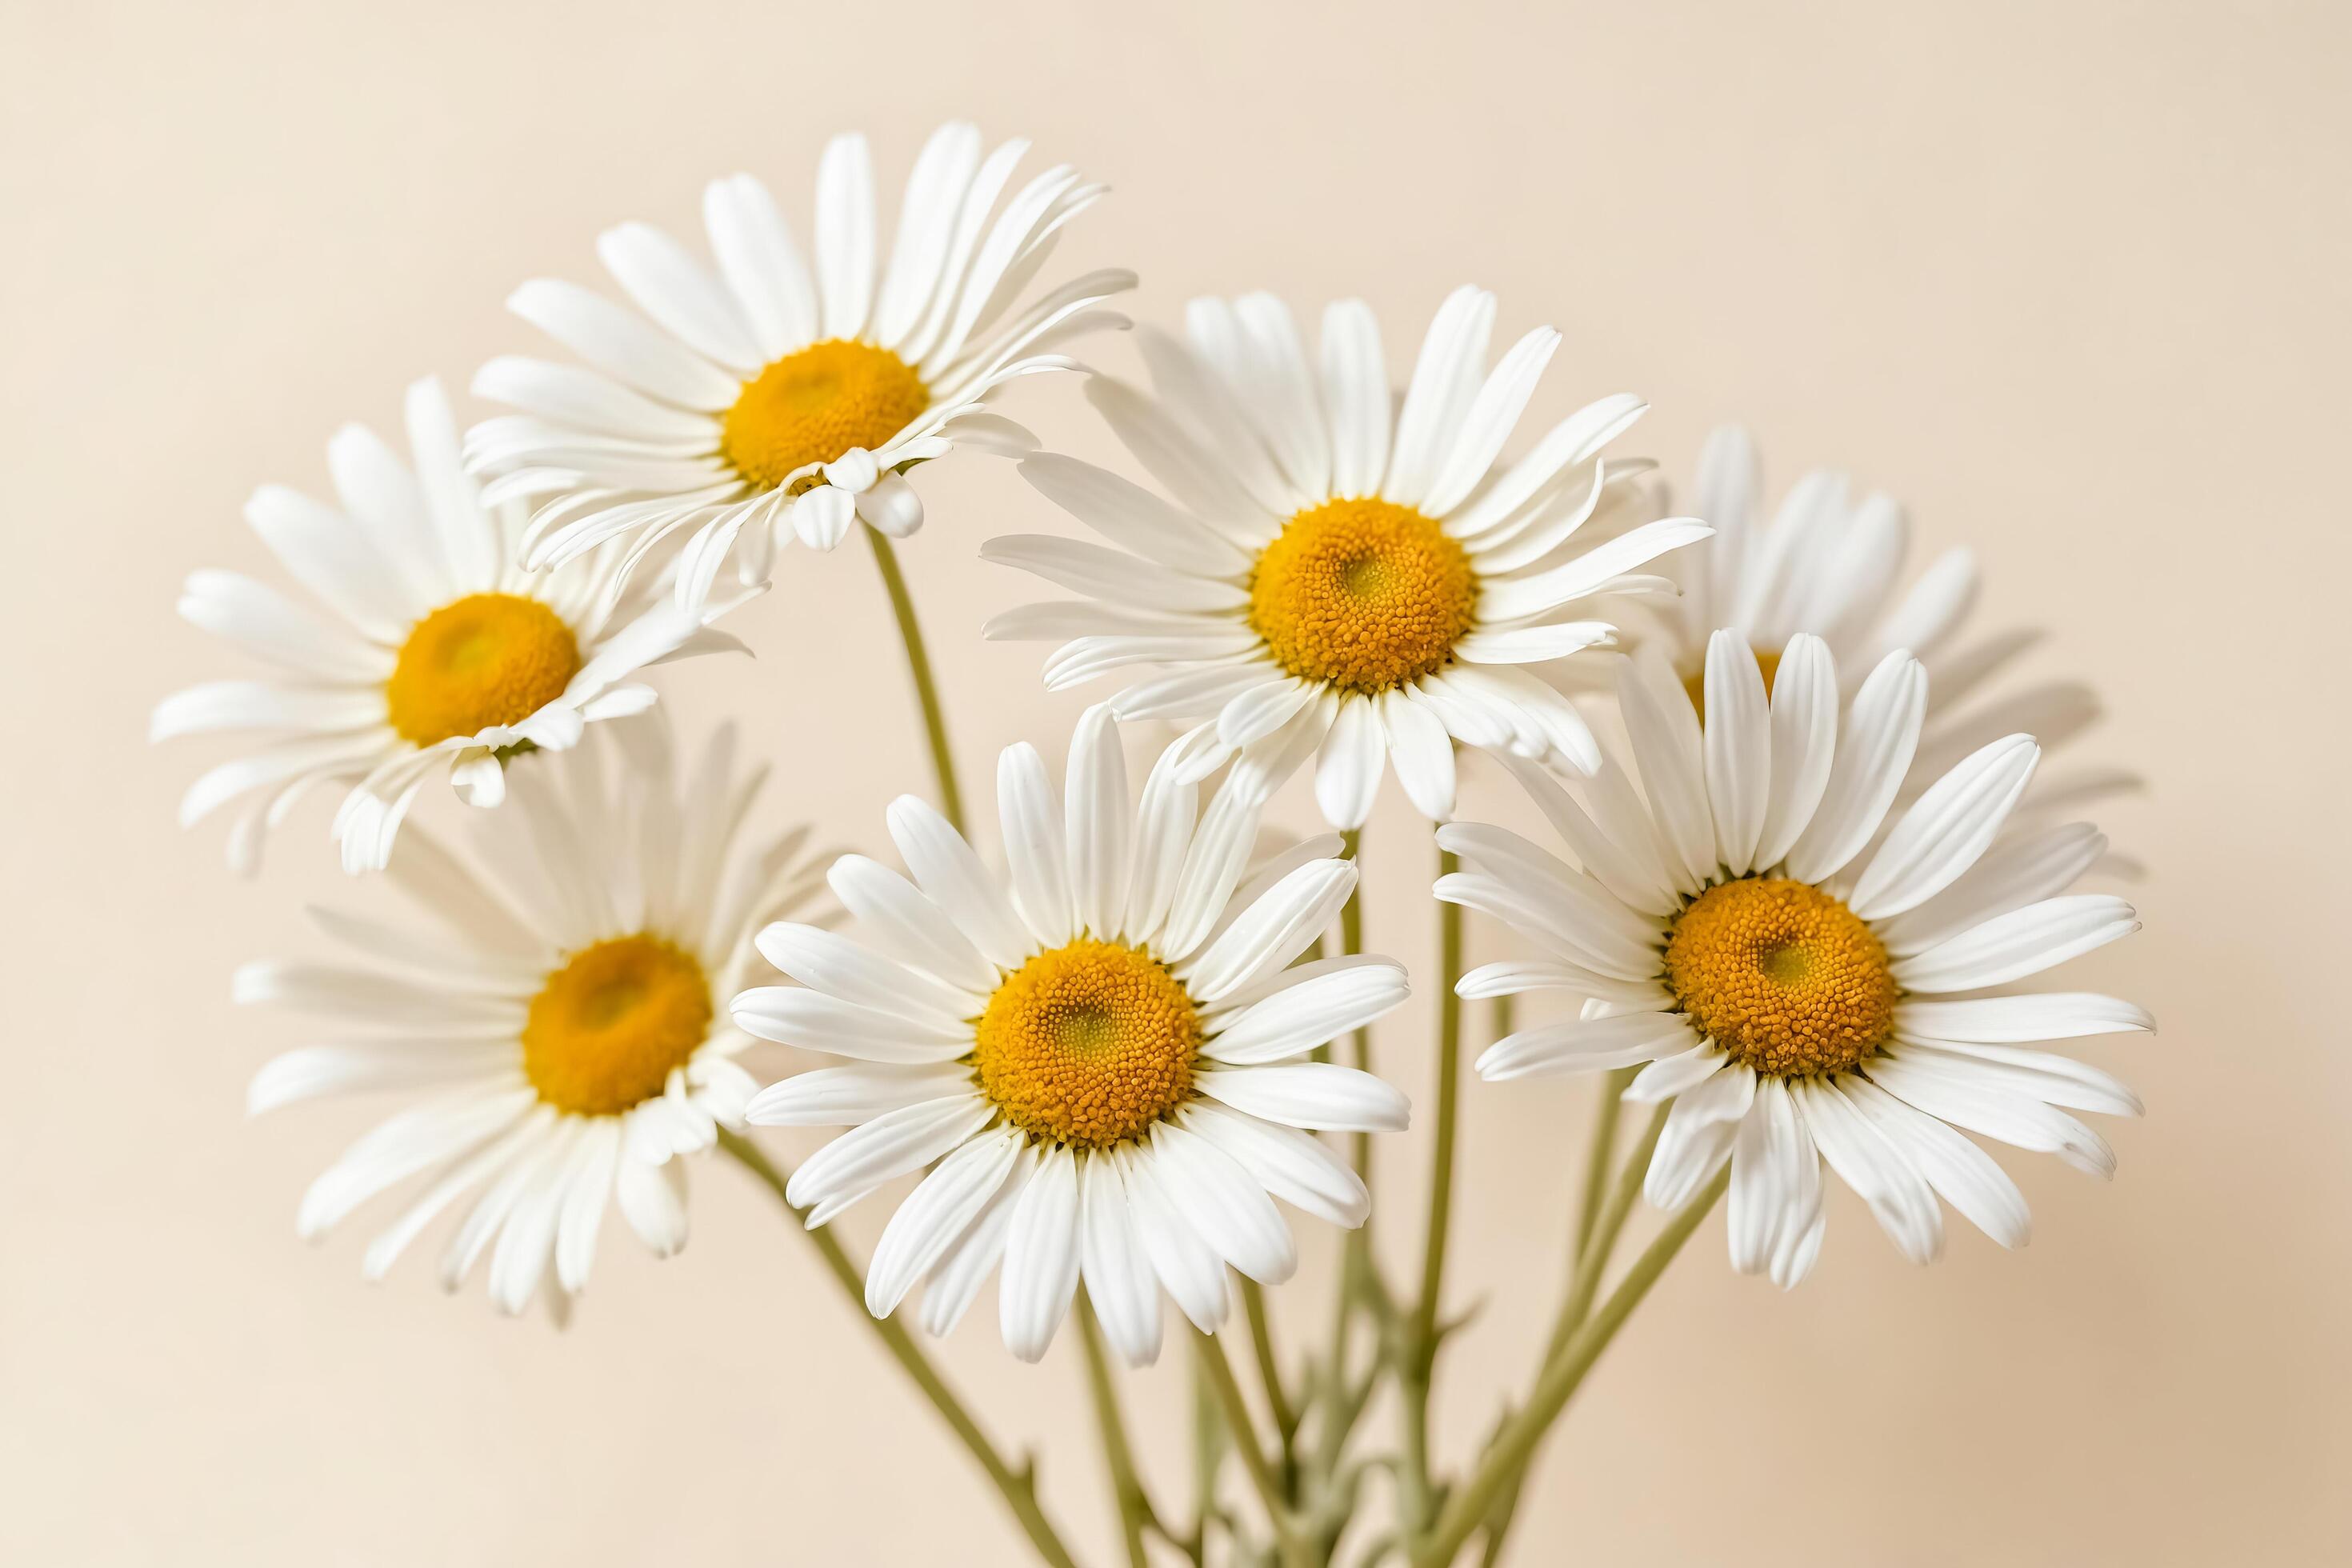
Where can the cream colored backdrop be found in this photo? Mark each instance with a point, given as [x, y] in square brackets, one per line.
[2070, 278]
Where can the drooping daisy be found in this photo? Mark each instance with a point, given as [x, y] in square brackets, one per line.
[1333, 578]
[1100, 1050]
[763, 395]
[1831, 565]
[1804, 986]
[562, 1020]
[442, 653]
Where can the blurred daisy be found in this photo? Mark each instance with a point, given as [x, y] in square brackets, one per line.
[440, 652]
[1334, 578]
[1832, 565]
[1804, 983]
[762, 395]
[1100, 1050]
[562, 1021]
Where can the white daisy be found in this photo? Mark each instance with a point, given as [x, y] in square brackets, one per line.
[1338, 575]
[1832, 565]
[762, 394]
[563, 1018]
[1804, 983]
[442, 653]
[1100, 1050]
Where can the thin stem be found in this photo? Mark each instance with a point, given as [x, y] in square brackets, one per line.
[1602, 1238]
[1243, 1430]
[1269, 1367]
[1018, 1487]
[1515, 1445]
[1422, 1332]
[919, 663]
[1135, 1511]
[1596, 1164]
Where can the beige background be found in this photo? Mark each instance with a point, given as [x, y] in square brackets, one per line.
[2071, 279]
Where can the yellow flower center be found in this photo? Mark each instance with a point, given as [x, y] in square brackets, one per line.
[1087, 1045]
[1781, 977]
[487, 658]
[1695, 682]
[815, 404]
[607, 1027]
[1365, 595]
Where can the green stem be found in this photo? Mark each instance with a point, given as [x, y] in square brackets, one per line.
[1515, 1445]
[1596, 1162]
[1269, 1369]
[1244, 1432]
[1018, 1487]
[1422, 1330]
[1135, 1511]
[927, 691]
[1601, 1239]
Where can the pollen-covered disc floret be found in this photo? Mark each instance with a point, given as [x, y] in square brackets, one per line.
[489, 659]
[1101, 1057]
[608, 1029]
[1781, 977]
[815, 404]
[1087, 1045]
[1363, 593]
[1811, 946]
[556, 1028]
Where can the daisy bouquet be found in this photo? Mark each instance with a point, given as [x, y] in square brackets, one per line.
[1792, 874]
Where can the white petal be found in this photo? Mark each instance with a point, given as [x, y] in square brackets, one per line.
[1041, 1258]
[892, 1144]
[1738, 748]
[845, 235]
[1302, 1017]
[1223, 1205]
[1577, 1045]
[2008, 1020]
[846, 1096]
[1096, 812]
[2019, 943]
[1804, 743]
[1322, 1096]
[948, 871]
[1880, 733]
[1120, 1285]
[1034, 845]
[935, 1214]
[1347, 769]
[1296, 1167]
[1946, 829]
[1667, 740]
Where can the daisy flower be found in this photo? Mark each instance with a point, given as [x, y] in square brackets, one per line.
[1805, 981]
[763, 396]
[1831, 564]
[1100, 1050]
[1336, 575]
[562, 1022]
[438, 651]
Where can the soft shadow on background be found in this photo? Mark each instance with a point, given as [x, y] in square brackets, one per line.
[2069, 279]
